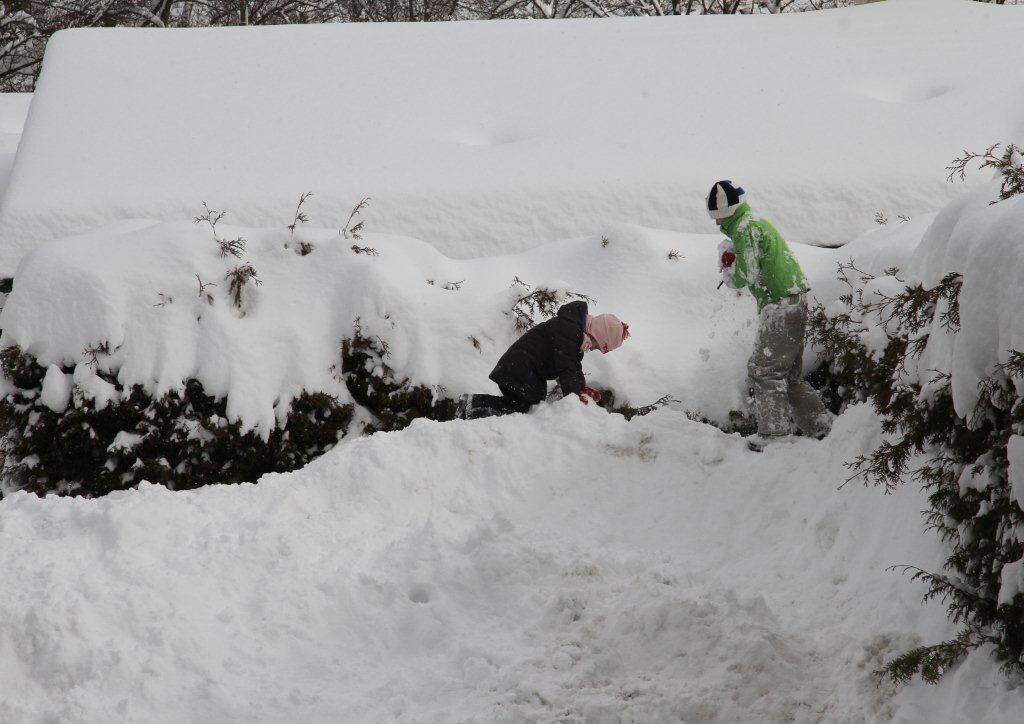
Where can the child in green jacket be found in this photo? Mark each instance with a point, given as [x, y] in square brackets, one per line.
[756, 256]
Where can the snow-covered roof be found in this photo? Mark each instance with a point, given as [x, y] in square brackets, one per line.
[496, 136]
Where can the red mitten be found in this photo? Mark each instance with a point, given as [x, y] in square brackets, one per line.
[728, 258]
[591, 393]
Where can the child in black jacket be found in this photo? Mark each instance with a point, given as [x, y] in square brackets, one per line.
[552, 350]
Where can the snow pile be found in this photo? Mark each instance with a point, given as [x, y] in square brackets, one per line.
[493, 137]
[982, 241]
[135, 290]
[565, 565]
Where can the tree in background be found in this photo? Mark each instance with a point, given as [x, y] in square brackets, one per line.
[20, 46]
[27, 25]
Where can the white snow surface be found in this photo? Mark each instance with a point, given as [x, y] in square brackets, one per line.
[982, 241]
[561, 566]
[493, 137]
[56, 392]
[13, 110]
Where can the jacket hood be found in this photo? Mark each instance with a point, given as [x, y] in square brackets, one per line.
[574, 312]
[729, 225]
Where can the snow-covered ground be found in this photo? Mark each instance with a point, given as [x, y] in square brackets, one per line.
[561, 566]
[565, 565]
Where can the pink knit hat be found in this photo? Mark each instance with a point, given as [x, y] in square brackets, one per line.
[606, 332]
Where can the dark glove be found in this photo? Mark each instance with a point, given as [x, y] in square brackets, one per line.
[728, 258]
[591, 393]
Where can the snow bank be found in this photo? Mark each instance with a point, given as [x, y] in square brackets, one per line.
[491, 137]
[565, 565]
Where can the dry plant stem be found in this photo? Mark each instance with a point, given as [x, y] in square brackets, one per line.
[353, 232]
[300, 216]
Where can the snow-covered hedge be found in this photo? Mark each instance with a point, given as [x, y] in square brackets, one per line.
[91, 436]
[258, 323]
[163, 338]
[150, 303]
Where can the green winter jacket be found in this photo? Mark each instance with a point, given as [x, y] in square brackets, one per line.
[764, 262]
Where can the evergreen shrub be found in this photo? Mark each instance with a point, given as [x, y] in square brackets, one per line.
[961, 462]
[181, 440]
[373, 384]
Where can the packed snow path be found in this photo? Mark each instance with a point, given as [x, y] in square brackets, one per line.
[565, 565]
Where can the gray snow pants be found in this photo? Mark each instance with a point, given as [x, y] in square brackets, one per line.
[782, 396]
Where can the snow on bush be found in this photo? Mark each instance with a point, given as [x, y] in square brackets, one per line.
[71, 442]
[151, 304]
[938, 352]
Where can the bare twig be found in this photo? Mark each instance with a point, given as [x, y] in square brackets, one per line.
[203, 287]
[300, 215]
[448, 286]
[350, 231]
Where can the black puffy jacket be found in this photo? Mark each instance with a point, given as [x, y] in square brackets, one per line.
[549, 351]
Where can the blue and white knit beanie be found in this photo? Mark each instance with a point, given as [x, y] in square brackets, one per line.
[724, 199]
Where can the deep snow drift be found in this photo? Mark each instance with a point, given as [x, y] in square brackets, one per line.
[493, 137]
[552, 567]
[561, 566]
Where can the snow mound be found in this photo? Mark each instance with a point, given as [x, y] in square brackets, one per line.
[560, 565]
[493, 137]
